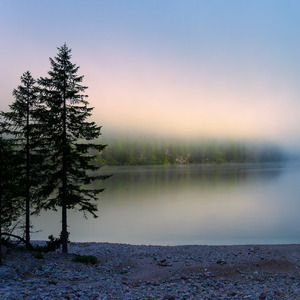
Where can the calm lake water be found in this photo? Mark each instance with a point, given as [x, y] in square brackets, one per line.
[190, 204]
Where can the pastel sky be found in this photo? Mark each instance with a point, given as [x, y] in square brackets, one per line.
[219, 68]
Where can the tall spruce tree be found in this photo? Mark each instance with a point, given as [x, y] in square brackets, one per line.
[70, 171]
[22, 128]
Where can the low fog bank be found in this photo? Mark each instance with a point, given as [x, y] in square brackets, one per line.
[291, 154]
[137, 149]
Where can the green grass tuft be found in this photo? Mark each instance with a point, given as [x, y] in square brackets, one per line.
[86, 259]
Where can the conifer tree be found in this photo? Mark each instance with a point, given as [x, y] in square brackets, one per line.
[21, 126]
[70, 137]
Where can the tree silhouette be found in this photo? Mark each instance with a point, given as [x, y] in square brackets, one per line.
[21, 126]
[64, 122]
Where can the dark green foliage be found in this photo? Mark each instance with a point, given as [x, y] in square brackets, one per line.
[63, 118]
[10, 193]
[86, 259]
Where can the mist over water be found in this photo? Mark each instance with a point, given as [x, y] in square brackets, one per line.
[191, 204]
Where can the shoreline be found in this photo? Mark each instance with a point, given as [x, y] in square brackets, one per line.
[151, 272]
[41, 242]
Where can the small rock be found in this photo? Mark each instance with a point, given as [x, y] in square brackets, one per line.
[221, 262]
[262, 296]
[169, 297]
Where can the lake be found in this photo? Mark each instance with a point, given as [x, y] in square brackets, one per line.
[189, 204]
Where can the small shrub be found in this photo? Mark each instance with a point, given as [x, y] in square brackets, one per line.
[85, 259]
[51, 245]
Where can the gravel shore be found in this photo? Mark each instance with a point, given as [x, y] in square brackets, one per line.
[154, 272]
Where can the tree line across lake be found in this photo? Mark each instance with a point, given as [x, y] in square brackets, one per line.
[126, 150]
[45, 149]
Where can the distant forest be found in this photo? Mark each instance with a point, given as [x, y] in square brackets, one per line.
[142, 151]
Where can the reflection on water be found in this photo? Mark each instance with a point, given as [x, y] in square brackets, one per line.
[190, 204]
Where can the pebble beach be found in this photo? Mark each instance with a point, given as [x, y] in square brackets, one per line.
[154, 272]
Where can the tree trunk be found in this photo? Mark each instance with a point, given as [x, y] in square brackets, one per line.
[27, 226]
[0, 229]
[64, 231]
[1, 208]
